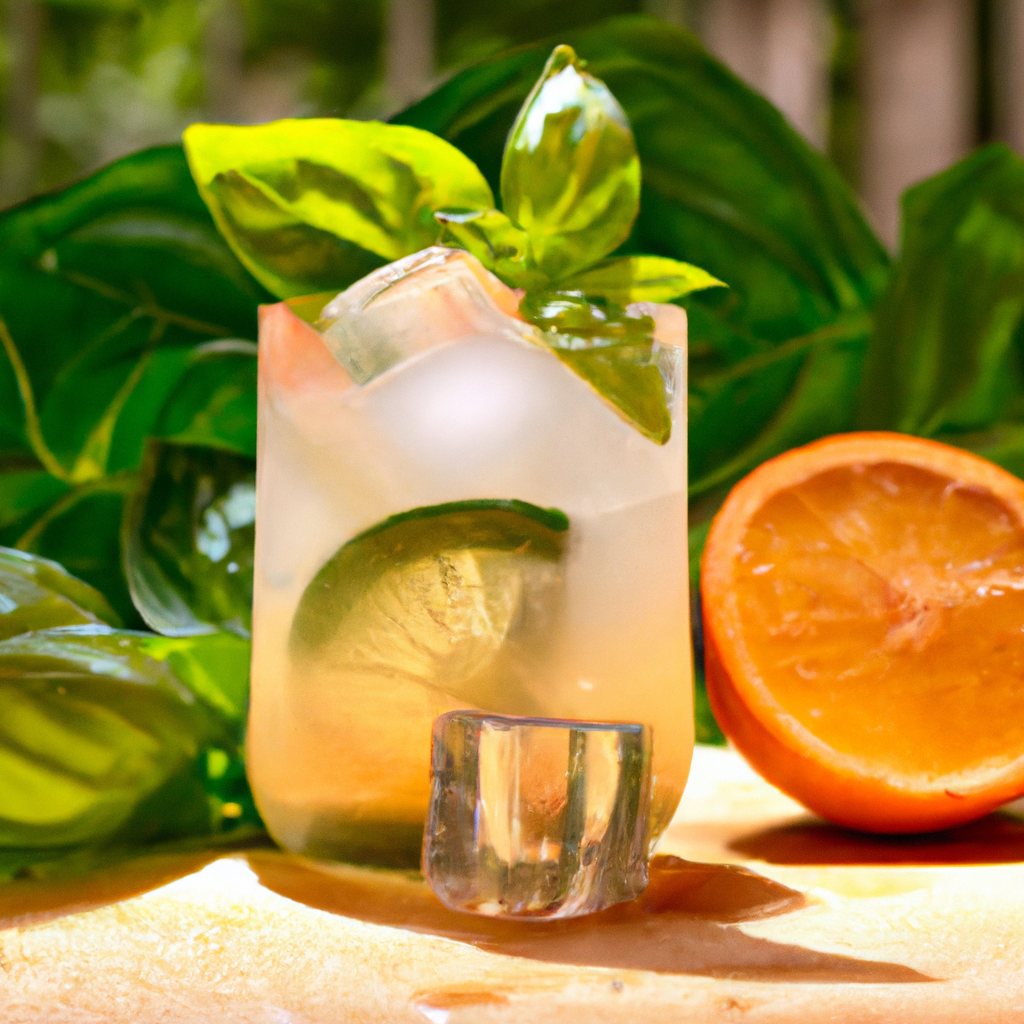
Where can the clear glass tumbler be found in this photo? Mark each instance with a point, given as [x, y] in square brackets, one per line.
[450, 518]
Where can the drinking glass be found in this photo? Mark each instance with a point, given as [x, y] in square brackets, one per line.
[450, 518]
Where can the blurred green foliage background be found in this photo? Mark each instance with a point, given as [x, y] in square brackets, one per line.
[83, 82]
[87, 81]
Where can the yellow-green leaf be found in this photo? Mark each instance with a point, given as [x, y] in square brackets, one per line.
[312, 205]
[36, 593]
[612, 350]
[570, 175]
[641, 279]
[93, 727]
[494, 240]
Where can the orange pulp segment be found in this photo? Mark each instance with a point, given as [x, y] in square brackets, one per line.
[863, 604]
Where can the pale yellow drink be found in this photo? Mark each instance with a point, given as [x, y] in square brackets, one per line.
[459, 403]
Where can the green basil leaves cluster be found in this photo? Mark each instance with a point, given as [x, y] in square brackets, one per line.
[105, 733]
[570, 178]
[127, 452]
[570, 191]
[570, 183]
[313, 205]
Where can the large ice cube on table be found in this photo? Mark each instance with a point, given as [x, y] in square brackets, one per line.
[537, 817]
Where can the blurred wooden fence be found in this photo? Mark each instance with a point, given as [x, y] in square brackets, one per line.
[918, 76]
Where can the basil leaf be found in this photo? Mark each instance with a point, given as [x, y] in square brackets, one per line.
[570, 175]
[628, 377]
[729, 186]
[946, 355]
[641, 279]
[93, 730]
[495, 241]
[188, 540]
[613, 351]
[36, 593]
[315, 204]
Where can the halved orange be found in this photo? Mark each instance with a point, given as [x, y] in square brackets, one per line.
[863, 603]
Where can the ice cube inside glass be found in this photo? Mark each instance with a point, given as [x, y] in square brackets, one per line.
[537, 817]
[449, 518]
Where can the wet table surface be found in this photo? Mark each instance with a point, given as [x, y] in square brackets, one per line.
[756, 912]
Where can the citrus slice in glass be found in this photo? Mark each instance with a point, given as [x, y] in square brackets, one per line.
[437, 596]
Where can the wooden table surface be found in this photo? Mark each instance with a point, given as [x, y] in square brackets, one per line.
[770, 915]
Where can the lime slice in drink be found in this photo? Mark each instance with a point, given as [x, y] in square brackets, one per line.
[459, 598]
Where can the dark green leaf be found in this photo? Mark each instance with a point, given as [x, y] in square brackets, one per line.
[946, 353]
[36, 593]
[188, 540]
[158, 376]
[202, 395]
[214, 402]
[570, 176]
[22, 492]
[81, 531]
[314, 204]
[93, 731]
[95, 281]
[807, 387]
[728, 186]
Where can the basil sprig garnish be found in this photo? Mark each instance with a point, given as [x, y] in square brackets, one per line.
[312, 205]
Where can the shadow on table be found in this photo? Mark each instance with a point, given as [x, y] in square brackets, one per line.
[994, 839]
[30, 901]
[79, 887]
[683, 924]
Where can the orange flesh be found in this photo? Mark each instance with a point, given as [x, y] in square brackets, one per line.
[883, 607]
